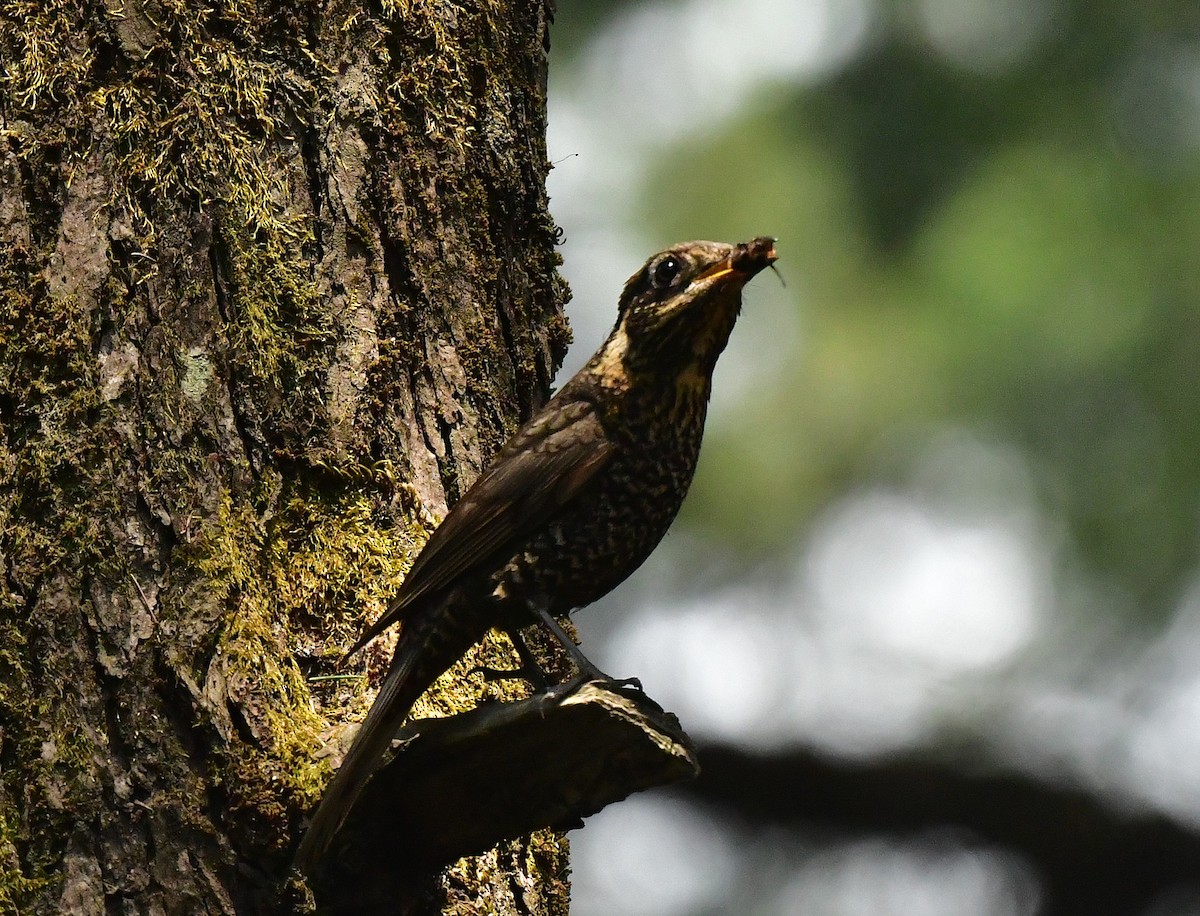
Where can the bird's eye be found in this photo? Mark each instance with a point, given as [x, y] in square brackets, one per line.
[666, 272]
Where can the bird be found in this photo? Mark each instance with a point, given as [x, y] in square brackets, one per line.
[569, 507]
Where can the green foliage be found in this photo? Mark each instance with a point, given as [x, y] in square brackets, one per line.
[982, 251]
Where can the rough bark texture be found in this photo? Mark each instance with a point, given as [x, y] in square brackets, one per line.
[275, 278]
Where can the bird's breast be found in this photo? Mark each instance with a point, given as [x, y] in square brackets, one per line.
[610, 530]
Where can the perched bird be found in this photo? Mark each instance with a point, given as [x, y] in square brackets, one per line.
[571, 505]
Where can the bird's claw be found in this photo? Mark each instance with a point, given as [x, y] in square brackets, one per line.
[594, 675]
[630, 682]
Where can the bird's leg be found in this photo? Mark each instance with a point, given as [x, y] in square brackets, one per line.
[586, 668]
[530, 669]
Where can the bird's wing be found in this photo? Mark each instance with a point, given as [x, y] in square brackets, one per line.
[540, 469]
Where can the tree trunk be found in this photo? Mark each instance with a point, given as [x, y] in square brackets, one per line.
[276, 279]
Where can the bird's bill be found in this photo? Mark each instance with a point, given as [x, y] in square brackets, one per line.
[743, 262]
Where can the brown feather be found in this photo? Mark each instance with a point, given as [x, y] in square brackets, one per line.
[544, 465]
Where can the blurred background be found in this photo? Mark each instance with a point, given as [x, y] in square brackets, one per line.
[932, 609]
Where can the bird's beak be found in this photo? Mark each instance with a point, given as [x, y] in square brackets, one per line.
[744, 261]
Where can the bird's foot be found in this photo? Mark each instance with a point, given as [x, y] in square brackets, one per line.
[631, 682]
[585, 674]
[615, 683]
[587, 671]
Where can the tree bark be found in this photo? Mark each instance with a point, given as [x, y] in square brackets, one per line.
[559, 756]
[275, 279]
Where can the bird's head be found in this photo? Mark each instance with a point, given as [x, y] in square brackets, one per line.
[680, 308]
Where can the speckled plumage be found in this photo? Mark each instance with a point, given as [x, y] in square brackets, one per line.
[573, 503]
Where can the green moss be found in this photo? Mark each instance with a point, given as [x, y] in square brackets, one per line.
[18, 891]
[54, 503]
[260, 676]
[337, 555]
[44, 65]
[52, 482]
[17, 886]
[48, 773]
[549, 855]
[435, 78]
[192, 122]
[485, 884]
[302, 579]
[277, 328]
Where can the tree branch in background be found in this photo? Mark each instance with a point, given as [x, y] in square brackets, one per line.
[1092, 858]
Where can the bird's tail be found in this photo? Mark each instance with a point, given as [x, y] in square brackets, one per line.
[401, 688]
